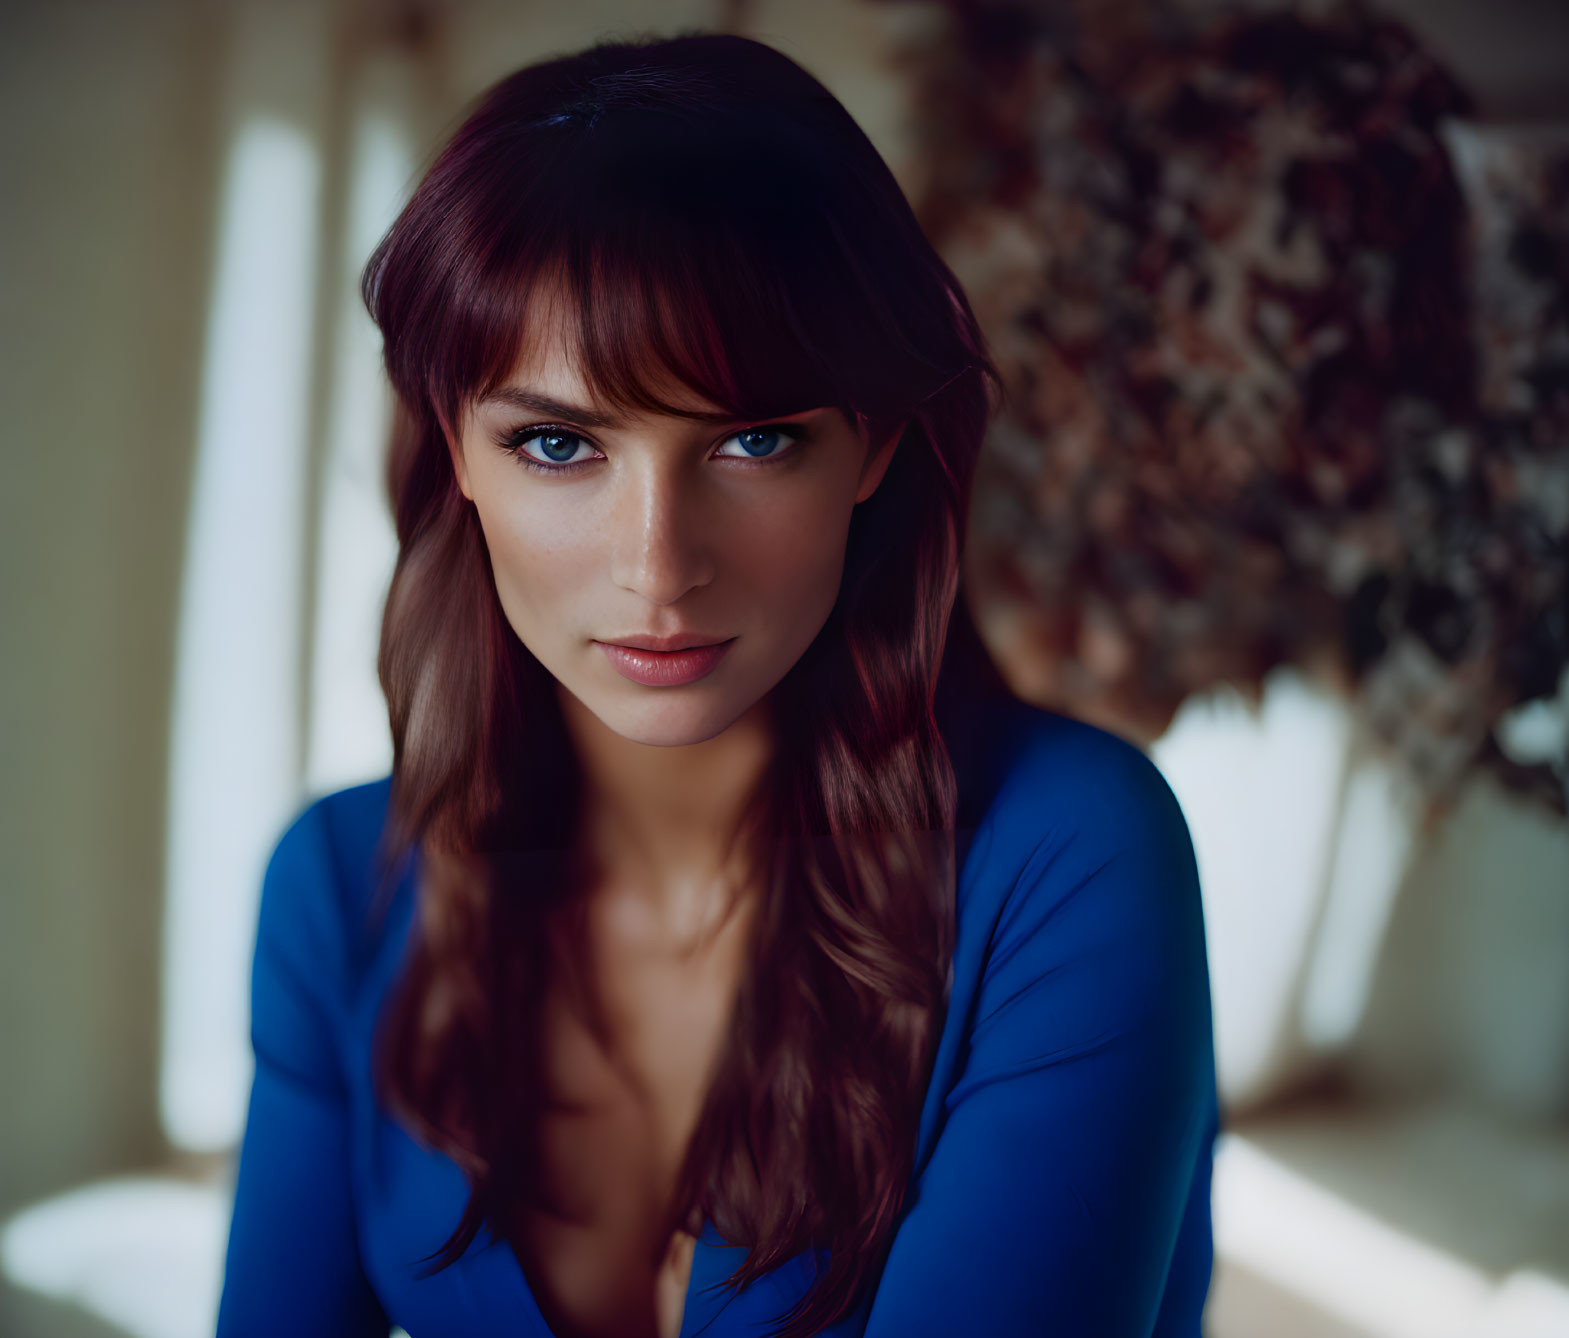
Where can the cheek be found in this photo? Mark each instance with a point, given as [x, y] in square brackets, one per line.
[792, 553]
[535, 557]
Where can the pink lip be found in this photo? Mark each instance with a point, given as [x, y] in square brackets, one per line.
[676, 641]
[667, 668]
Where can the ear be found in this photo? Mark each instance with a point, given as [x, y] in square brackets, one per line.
[878, 457]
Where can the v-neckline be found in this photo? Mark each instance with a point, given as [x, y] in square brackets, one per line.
[496, 1259]
[702, 1250]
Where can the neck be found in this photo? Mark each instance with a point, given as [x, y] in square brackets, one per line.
[664, 823]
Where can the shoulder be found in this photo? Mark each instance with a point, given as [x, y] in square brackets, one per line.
[1067, 778]
[1081, 923]
[310, 948]
[322, 876]
[1078, 808]
[1063, 782]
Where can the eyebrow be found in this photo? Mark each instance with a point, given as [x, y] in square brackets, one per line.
[517, 397]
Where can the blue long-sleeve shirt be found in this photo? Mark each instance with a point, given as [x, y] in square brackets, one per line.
[1062, 1175]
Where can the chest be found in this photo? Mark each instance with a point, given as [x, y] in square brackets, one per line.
[620, 1112]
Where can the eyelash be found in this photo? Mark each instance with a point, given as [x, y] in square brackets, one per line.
[513, 443]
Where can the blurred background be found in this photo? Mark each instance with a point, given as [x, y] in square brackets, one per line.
[1281, 493]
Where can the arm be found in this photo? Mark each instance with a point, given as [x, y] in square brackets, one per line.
[1054, 1194]
[293, 1262]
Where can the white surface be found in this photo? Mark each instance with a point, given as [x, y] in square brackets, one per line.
[349, 739]
[237, 720]
[143, 1253]
[1315, 1244]
[1263, 795]
[234, 766]
[1375, 1276]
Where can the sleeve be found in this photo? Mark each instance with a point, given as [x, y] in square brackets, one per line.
[292, 1265]
[1078, 1133]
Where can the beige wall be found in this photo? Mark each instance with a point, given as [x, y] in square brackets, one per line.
[106, 154]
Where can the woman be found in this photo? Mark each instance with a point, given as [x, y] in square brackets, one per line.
[724, 920]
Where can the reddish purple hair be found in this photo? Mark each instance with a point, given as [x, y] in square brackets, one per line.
[715, 219]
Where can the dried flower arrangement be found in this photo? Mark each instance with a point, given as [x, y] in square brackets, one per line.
[1285, 386]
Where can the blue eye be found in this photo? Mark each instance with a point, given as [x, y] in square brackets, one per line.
[556, 446]
[764, 443]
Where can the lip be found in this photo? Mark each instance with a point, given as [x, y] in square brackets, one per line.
[680, 641]
[664, 669]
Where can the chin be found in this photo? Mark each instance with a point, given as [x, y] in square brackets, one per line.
[668, 723]
[670, 727]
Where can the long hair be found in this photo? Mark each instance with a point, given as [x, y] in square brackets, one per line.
[715, 216]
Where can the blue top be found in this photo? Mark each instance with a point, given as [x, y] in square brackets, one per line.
[1062, 1175]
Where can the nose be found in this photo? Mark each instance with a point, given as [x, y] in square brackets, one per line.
[659, 549]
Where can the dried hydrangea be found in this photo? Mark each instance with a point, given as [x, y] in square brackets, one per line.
[1287, 372]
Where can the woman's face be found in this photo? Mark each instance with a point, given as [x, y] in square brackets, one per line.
[604, 528]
